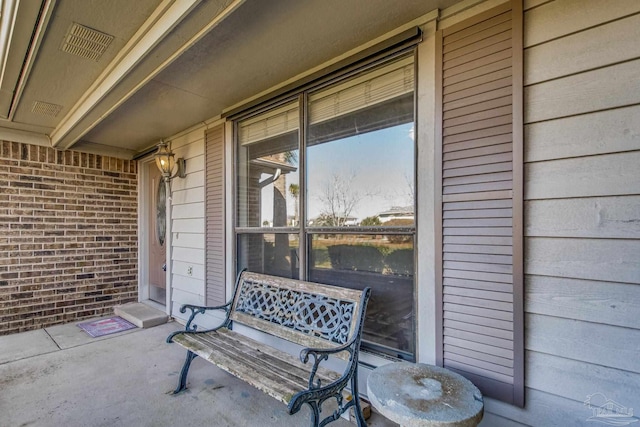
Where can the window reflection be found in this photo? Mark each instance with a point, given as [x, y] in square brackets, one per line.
[385, 263]
[360, 149]
[268, 177]
[274, 254]
[362, 180]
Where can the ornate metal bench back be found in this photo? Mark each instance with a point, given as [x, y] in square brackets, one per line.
[308, 314]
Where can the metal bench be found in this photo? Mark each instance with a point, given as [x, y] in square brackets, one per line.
[325, 320]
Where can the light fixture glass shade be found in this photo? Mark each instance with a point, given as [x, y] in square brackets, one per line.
[165, 160]
[167, 163]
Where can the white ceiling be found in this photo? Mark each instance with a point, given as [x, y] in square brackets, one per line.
[174, 63]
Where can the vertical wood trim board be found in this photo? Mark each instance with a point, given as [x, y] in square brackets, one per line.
[479, 183]
[215, 284]
[438, 199]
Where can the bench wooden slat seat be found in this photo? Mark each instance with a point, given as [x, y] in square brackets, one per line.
[270, 370]
[325, 320]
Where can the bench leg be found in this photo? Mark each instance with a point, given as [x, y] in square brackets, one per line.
[315, 413]
[359, 417]
[185, 370]
[360, 421]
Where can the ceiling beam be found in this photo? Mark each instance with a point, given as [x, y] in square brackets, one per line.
[159, 25]
[32, 20]
[8, 16]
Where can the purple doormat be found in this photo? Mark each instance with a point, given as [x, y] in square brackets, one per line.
[110, 325]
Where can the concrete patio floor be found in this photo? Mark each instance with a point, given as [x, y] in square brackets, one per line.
[60, 376]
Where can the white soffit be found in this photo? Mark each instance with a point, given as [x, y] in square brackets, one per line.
[179, 62]
[53, 76]
[257, 47]
[158, 26]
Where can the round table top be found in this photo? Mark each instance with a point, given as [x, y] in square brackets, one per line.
[416, 394]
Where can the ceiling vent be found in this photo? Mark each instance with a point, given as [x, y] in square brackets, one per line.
[46, 109]
[85, 42]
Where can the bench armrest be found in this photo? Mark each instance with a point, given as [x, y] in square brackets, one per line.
[197, 309]
[320, 392]
[321, 354]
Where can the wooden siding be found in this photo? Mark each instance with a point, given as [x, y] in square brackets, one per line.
[600, 89]
[215, 214]
[480, 179]
[582, 211]
[585, 217]
[571, 339]
[187, 224]
[594, 301]
[560, 18]
[600, 132]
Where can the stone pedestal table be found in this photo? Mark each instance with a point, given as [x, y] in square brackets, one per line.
[421, 395]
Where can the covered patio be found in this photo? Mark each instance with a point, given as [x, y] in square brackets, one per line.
[474, 162]
[60, 376]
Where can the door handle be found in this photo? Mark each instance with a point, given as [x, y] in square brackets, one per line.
[164, 267]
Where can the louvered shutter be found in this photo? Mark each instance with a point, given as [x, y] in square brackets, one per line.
[479, 270]
[214, 201]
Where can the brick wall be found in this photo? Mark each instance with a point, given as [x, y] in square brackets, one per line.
[68, 235]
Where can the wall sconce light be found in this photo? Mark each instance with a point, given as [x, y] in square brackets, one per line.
[166, 162]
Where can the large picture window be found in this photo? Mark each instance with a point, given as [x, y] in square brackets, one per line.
[325, 193]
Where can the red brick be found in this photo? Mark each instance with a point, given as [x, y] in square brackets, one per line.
[68, 222]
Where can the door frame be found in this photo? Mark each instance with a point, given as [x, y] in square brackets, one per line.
[143, 241]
